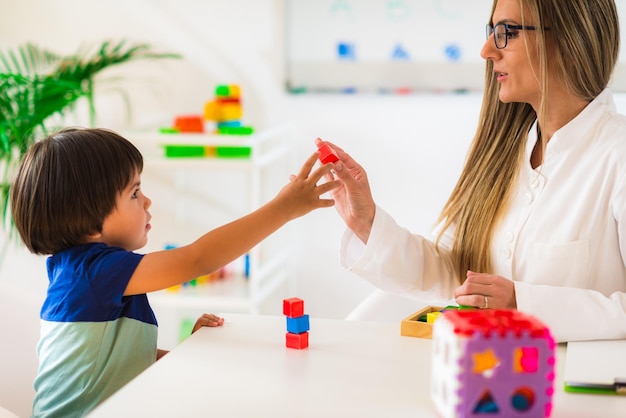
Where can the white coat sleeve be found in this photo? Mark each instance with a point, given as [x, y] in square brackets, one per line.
[397, 261]
[574, 314]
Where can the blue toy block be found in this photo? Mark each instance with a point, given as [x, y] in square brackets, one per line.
[298, 324]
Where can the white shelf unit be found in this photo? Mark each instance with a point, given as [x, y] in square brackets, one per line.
[193, 195]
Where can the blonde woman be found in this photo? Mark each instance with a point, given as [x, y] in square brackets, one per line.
[537, 220]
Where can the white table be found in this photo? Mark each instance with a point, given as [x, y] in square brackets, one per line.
[351, 369]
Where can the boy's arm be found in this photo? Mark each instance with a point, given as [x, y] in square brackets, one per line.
[217, 248]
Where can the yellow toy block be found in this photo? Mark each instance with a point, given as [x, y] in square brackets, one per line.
[234, 91]
[229, 111]
[210, 110]
[431, 316]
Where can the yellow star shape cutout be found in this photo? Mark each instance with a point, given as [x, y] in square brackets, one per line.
[485, 362]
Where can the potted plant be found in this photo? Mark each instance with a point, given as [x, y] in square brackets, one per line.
[37, 87]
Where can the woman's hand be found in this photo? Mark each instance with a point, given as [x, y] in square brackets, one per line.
[208, 320]
[484, 290]
[353, 198]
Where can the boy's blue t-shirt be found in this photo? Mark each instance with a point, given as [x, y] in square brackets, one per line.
[93, 339]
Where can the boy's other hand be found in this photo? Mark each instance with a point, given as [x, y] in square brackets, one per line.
[208, 320]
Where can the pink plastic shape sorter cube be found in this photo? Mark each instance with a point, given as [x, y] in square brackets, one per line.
[293, 307]
[492, 363]
[327, 154]
[298, 341]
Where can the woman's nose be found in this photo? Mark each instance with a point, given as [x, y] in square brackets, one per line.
[489, 50]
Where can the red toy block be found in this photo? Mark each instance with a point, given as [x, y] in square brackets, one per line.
[327, 154]
[298, 341]
[293, 307]
[191, 123]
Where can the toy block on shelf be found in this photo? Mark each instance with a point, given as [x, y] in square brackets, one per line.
[491, 362]
[298, 324]
[189, 124]
[298, 341]
[228, 90]
[226, 109]
[229, 124]
[235, 130]
[229, 111]
[293, 307]
[327, 154]
[233, 152]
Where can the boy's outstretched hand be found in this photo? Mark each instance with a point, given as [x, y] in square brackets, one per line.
[303, 193]
[207, 320]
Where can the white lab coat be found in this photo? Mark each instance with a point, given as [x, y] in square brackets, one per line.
[563, 240]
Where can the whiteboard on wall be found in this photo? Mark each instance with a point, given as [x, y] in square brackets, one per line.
[392, 45]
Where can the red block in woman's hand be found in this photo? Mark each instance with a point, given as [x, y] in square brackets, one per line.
[327, 154]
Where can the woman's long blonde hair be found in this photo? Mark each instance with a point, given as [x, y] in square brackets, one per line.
[584, 36]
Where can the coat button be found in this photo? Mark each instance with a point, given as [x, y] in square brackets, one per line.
[528, 198]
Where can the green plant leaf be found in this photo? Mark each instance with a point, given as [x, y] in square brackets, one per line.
[37, 84]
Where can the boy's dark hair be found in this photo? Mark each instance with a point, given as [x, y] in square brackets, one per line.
[67, 184]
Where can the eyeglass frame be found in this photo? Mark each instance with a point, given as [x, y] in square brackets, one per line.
[492, 29]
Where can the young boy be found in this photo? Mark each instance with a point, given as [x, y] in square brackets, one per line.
[77, 198]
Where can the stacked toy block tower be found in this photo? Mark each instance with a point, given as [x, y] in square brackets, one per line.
[226, 111]
[297, 323]
[491, 363]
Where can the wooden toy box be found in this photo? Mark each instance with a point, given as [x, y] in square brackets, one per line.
[413, 327]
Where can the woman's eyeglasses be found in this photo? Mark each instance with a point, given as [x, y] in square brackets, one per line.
[503, 31]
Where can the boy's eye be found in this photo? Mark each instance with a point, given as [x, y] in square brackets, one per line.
[135, 193]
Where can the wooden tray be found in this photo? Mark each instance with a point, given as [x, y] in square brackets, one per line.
[411, 327]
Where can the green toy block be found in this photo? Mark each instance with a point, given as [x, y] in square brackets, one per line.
[235, 130]
[177, 151]
[169, 130]
[233, 152]
[222, 90]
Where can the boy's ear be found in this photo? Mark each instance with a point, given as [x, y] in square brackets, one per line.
[94, 237]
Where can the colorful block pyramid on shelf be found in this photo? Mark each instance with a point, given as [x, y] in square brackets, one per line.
[297, 323]
[226, 111]
[491, 363]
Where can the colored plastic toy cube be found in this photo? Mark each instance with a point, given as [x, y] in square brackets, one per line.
[191, 123]
[298, 341]
[496, 363]
[227, 90]
[298, 324]
[327, 154]
[228, 112]
[293, 307]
